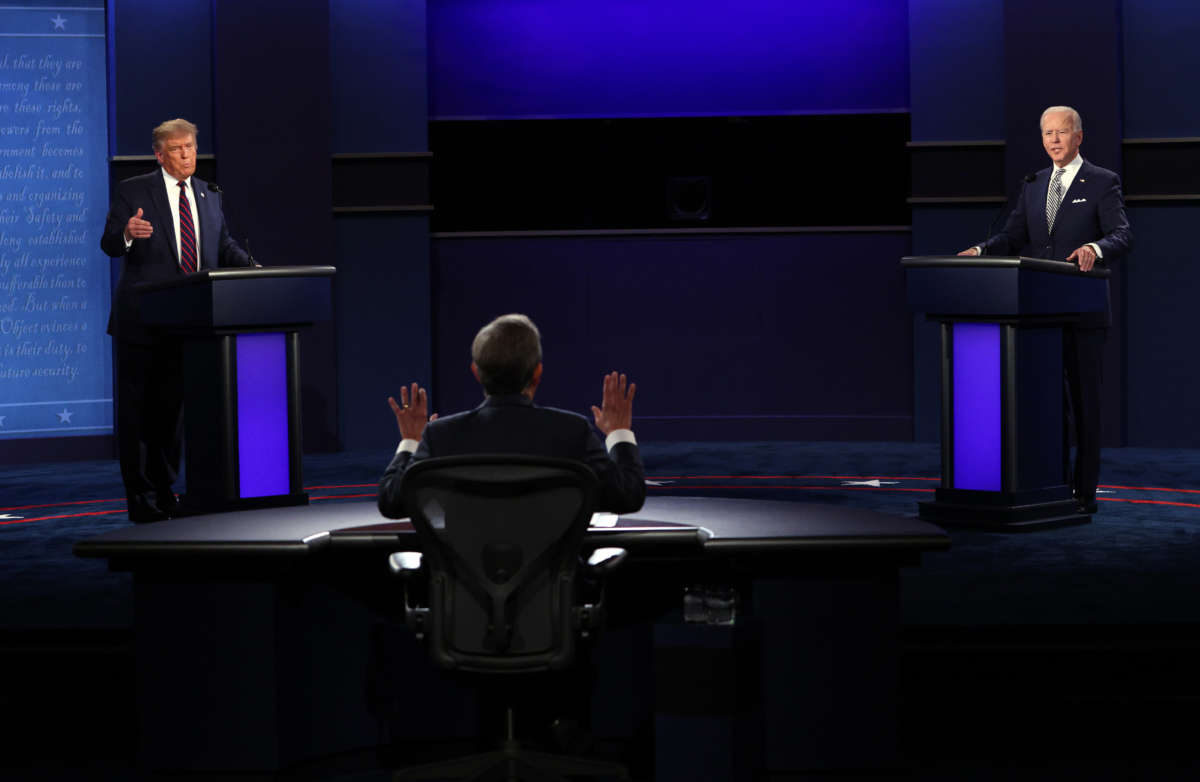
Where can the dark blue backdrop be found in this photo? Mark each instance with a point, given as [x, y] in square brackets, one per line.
[787, 336]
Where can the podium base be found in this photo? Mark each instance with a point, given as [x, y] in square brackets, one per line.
[1003, 518]
[197, 505]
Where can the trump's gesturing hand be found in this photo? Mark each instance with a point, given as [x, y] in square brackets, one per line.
[616, 404]
[1085, 256]
[137, 228]
[970, 251]
[411, 412]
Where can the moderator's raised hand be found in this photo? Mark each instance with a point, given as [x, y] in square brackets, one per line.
[411, 412]
[616, 404]
[137, 228]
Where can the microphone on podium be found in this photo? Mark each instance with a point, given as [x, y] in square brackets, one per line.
[1025, 180]
[213, 186]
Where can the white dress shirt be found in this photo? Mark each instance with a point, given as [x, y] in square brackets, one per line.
[615, 437]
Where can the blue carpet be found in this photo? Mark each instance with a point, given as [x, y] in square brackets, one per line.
[1135, 563]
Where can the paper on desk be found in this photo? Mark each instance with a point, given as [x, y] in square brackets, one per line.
[603, 520]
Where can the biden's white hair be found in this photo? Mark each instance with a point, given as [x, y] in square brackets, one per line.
[1075, 118]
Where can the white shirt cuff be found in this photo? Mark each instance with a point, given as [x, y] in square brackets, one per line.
[619, 436]
[128, 242]
[407, 445]
[1096, 247]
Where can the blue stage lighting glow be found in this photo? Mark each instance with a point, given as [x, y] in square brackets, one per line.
[632, 58]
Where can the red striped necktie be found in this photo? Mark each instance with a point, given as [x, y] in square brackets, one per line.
[187, 232]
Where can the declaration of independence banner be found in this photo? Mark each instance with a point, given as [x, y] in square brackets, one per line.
[55, 359]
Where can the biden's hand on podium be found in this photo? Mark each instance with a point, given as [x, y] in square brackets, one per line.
[1085, 256]
[137, 228]
[970, 251]
[411, 412]
[616, 404]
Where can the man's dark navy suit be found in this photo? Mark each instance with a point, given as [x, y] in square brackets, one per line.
[1092, 211]
[157, 258]
[149, 366]
[513, 424]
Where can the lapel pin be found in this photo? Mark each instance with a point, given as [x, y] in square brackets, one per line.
[202, 192]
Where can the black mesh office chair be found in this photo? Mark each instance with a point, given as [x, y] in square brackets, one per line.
[500, 545]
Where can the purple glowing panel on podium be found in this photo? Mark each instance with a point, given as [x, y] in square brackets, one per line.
[976, 365]
[262, 415]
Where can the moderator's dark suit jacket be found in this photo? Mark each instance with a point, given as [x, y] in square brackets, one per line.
[156, 258]
[1092, 210]
[515, 425]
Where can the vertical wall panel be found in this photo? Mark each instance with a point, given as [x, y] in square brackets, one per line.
[161, 65]
[272, 88]
[382, 290]
[384, 327]
[956, 69]
[378, 54]
[1161, 318]
[1161, 57]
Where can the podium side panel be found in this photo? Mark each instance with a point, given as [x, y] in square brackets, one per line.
[1039, 408]
[209, 408]
[977, 406]
[1051, 293]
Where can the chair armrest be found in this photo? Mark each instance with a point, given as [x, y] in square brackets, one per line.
[405, 563]
[589, 617]
[604, 560]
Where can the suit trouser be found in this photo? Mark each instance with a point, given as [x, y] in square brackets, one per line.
[1083, 362]
[149, 415]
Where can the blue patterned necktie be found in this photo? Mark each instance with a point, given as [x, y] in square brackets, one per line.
[1054, 198]
[187, 232]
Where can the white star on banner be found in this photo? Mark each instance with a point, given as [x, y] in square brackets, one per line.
[873, 482]
[658, 483]
[10, 517]
[2, 417]
[60, 23]
[65, 416]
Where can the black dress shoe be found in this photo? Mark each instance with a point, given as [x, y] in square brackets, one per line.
[143, 511]
[166, 501]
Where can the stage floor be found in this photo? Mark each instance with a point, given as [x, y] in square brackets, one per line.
[1135, 563]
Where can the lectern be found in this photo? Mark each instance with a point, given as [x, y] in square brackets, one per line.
[241, 363]
[1005, 447]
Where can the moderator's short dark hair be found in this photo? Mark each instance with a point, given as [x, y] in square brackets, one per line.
[506, 351]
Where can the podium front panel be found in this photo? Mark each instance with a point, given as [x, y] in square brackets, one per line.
[262, 415]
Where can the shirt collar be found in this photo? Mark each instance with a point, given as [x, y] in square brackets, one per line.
[172, 182]
[1073, 167]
